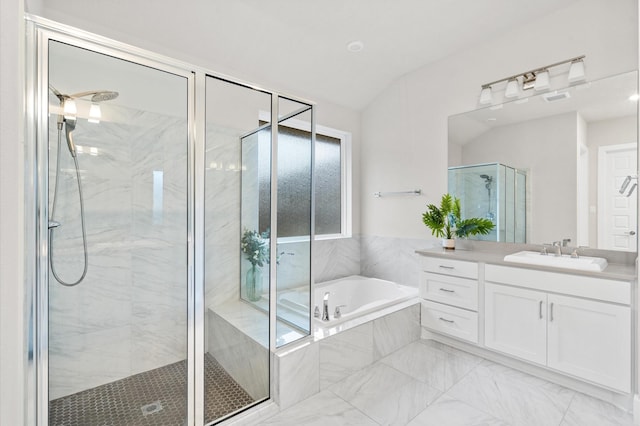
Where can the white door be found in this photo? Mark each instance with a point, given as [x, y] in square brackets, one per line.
[591, 340]
[515, 322]
[617, 212]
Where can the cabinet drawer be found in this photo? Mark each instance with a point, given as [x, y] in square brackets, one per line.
[445, 319]
[456, 291]
[457, 268]
[603, 289]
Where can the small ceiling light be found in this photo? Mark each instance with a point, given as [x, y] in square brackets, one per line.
[634, 98]
[95, 114]
[355, 46]
[576, 72]
[542, 80]
[70, 110]
[513, 89]
[485, 95]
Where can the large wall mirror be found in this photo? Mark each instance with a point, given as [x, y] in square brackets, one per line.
[559, 165]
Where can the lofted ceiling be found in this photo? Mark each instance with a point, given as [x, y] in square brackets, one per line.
[300, 46]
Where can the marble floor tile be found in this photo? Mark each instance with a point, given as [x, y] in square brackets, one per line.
[435, 367]
[386, 395]
[585, 410]
[446, 411]
[512, 396]
[322, 409]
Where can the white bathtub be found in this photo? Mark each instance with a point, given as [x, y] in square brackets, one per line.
[358, 296]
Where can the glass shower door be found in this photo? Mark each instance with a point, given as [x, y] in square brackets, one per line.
[237, 215]
[117, 241]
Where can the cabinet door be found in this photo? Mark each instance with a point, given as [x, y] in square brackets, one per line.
[515, 322]
[591, 340]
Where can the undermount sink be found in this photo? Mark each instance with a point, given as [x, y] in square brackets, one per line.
[583, 263]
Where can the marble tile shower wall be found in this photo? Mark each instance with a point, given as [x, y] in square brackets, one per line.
[129, 314]
[222, 215]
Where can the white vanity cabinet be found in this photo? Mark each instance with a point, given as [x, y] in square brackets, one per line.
[515, 322]
[590, 339]
[450, 290]
[579, 325]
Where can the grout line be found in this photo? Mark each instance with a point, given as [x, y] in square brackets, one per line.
[568, 407]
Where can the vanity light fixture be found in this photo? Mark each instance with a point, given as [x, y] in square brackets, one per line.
[542, 81]
[513, 89]
[485, 95]
[69, 110]
[537, 79]
[95, 114]
[576, 72]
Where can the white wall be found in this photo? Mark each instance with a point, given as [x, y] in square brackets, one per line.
[405, 128]
[12, 347]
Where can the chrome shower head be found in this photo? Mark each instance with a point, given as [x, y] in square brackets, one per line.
[104, 95]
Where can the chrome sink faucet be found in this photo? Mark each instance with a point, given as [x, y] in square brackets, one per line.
[325, 307]
[557, 245]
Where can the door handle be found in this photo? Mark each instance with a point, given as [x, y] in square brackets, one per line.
[632, 232]
[551, 312]
[540, 310]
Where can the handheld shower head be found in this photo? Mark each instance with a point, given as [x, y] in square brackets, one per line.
[69, 127]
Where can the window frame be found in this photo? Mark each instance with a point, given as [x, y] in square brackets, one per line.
[346, 203]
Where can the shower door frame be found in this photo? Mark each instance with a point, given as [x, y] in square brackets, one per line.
[39, 32]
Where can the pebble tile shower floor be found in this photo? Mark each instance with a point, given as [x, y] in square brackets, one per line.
[153, 398]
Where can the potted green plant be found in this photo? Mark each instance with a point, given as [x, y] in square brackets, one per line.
[255, 246]
[445, 222]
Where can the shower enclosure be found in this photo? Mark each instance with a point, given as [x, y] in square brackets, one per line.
[496, 192]
[148, 173]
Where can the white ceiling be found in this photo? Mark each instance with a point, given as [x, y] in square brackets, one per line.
[300, 45]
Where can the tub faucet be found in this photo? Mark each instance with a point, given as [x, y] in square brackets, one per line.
[325, 307]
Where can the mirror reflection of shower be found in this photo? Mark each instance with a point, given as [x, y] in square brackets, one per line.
[67, 121]
[488, 180]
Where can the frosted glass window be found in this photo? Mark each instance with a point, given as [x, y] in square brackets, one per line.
[294, 183]
[328, 185]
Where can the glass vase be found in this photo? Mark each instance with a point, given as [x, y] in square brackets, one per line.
[254, 283]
